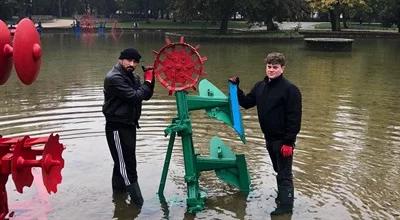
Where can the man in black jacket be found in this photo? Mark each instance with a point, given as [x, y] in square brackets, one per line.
[123, 96]
[279, 110]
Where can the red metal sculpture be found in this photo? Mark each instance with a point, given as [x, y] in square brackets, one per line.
[26, 52]
[88, 23]
[5, 55]
[116, 30]
[178, 66]
[19, 155]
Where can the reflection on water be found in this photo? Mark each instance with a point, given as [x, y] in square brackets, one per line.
[347, 159]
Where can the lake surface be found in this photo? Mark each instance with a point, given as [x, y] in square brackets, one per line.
[346, 163]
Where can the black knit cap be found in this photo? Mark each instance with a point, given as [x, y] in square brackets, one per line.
[130, 53]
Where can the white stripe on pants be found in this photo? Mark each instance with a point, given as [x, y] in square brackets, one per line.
[122, 167]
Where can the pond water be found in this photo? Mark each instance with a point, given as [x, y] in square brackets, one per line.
[346, 163]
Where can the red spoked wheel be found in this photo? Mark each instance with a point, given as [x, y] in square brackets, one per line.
[178, 66]
[22, 175]
[52, 163]
[24, 159]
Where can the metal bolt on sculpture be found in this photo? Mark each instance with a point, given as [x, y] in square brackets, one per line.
[18, 155]
[178, 67]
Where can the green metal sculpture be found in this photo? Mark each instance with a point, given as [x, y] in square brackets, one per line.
[178, 67]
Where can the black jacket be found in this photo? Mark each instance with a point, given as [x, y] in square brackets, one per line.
[123, 96]
[279, 108]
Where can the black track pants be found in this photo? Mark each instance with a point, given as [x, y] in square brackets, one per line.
[122, 143]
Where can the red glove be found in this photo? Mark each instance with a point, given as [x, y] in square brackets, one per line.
[286, 150]
[148, 73]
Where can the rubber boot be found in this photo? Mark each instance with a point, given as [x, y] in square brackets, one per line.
[118, 185]
[285, 205]
[119, 198]
[123, 210]
[135, 194]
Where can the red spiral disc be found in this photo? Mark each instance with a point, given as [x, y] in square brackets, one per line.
[178, 66]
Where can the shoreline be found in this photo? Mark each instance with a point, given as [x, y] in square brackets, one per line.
[207, 34]
[288, 30]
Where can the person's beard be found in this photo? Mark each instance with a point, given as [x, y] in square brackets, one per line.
[129, 69]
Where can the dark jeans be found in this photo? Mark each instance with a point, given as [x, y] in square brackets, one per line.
[283, 168]
[121, 140]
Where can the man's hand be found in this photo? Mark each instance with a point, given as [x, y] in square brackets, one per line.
[148, 73]
[145, 68]
[286, 150]
[234, 80]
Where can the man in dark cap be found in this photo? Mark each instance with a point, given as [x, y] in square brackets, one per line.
[123, 96]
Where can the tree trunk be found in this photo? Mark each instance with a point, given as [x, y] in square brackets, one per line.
[345, 16]
[227, 13]
[345, 25]
[334, 18]
[59, 8]
[21, 11]
[223, 29]
[398, 15]
[270, 24]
